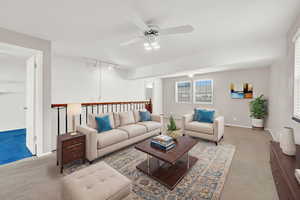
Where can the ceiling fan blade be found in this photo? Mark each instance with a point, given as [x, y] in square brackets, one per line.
[139, 23]
[177, 30]
[132, 41]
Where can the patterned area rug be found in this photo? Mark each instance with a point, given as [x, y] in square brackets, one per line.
[204, 181]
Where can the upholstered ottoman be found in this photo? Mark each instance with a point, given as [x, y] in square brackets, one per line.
[96, 182]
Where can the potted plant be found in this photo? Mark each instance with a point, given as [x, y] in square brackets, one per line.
[172, 130]
[258, 111]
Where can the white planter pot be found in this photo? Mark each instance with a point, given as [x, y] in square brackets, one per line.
[287, 141]
[257, 123]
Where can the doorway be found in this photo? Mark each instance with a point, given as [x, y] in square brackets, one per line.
[18, 83]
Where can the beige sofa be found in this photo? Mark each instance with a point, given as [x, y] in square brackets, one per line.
[127, 130]
[209, 131]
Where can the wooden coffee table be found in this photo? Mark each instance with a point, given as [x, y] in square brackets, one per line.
[168, 167]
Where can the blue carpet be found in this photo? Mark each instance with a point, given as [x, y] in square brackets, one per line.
[13, 146]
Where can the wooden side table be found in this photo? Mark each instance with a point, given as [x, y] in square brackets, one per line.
[70, 148]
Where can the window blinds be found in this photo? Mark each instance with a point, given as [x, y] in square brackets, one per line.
[297, 80]
[203, 91]
[183, 92]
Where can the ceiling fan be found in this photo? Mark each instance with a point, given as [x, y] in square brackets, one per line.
[151, 33]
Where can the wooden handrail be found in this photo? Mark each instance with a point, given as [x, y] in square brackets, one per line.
[103, 103]
[101, 107]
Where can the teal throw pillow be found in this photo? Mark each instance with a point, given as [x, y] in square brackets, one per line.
[103, 123]
[207, 116]
[145, 116]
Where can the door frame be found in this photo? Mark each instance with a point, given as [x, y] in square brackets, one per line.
[43, 118]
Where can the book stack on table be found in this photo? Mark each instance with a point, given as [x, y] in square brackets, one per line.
[163, 142]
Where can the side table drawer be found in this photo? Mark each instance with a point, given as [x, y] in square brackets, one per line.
[73, 148]
[73, 153]
[73, 142]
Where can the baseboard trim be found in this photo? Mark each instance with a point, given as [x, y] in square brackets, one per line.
[272, 134]
[240, 126]
[44, 154]
[12, 130]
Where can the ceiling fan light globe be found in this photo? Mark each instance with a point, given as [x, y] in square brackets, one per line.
[148, 48]
[156, 46]
[146, 44]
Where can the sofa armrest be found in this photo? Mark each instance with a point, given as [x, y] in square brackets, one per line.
[219, 127]
[187, 118]
[91, 141]
[156, 118]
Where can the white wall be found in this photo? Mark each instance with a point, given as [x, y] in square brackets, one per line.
[235, 111]
[157, 100]
[281, 84]
[75, 80]
[12, 93]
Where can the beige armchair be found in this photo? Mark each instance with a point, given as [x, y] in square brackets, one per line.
[209, 131]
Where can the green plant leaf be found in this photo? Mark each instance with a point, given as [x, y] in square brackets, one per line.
[258, 107]
[172, 125]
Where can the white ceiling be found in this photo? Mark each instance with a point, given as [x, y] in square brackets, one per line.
[95, 28]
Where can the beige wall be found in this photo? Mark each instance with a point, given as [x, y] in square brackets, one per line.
[235, 111]
[281, 82]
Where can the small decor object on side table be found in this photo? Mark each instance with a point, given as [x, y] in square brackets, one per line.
[287, 142]
[297, 175]
[172, 130]
[70, 148]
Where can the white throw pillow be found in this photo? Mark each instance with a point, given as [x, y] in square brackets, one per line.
[117, 120]
[92, 120]
[126, 118]
[137, 117]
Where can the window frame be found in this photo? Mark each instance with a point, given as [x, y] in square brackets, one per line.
[212, 92]
[176, 92]
[296, 42]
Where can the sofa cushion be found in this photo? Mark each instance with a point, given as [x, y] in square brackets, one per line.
[209, 109]
[126, 118]
[98, 181]
[202, 115]
[145, 116]
[117, 120]
[200, 127]
[151, 125]
[134, 130]
[137, 117]
[103, 123]
[92, 120]
[111, 137]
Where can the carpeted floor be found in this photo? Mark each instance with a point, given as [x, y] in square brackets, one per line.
[204, 181]
[13, 146]
[249, 176]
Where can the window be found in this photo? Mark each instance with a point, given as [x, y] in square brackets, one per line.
[183, 91]
[296, 112]
[203, 91]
